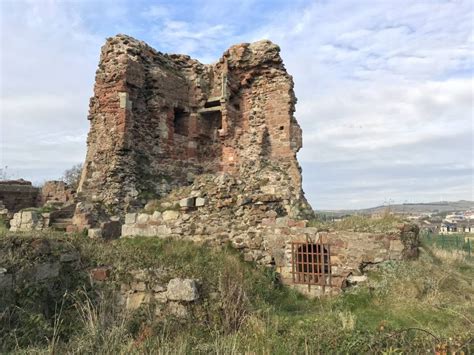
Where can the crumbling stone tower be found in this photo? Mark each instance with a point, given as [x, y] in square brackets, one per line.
[158, 120]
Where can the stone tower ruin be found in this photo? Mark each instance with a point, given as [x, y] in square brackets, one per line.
[159, 120]
[178, 149]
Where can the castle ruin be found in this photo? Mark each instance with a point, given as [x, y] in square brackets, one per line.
[159, 120]
[179, 149]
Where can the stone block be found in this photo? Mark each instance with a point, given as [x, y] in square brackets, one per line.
[135, 300]
[158, 288]
[282, 221]
[186, 202]
[29, 217]
[111, 230]
[94, 233]
[396, 246]
[177, 310]
[155, 217]
[170, 215]
[138, 286]
[100, 273]
[160, 297]
[200, 201]
[163, 230]
[130, 218]
[182, 290]
[357, 279]
[143, 218]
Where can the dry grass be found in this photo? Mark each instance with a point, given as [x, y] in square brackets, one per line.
[406, 307]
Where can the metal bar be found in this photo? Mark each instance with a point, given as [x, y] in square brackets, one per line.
[323, 275]
[293, 262]
[329, 265]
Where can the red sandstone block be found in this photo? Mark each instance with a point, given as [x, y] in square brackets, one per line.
[268, 221]
[299, 224]
[100, 273]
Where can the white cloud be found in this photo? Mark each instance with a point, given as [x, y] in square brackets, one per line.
[385, 88]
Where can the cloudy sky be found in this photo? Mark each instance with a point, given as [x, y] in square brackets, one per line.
[384, 87]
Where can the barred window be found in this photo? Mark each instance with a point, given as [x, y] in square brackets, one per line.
[311, 263]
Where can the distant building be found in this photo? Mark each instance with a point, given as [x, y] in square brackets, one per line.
[454, 218]
[448, 228]
[461, 227]
[469, 215]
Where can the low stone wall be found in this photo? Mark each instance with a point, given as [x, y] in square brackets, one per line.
[269, 242]
[24, 221]
[56, 192]
[18, 194]
[149, 287]
[57, 264]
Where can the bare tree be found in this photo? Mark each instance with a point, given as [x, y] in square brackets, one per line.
[73, 175]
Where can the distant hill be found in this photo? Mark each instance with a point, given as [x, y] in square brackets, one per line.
[434, 207]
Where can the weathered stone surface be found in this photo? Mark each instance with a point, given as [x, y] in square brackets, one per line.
[178, 310]
[182, 290]
[100, 273]
[155, 217]
[186, 202]
[170, 215]
[158, 121]
[143, 218]
[94, 233]
[27, 221]
[135, 300]
[130, 218]
[111, 229]
[56, 191]
[200, 201]
[18, 194]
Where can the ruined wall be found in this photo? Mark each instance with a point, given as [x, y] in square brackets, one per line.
[159, 120]
[222, 210]
[18, 194]
[56, 192]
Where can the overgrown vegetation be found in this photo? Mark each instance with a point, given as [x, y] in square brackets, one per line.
[406, 307]
[359, 223]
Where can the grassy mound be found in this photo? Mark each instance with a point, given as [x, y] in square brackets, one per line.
[417, 306]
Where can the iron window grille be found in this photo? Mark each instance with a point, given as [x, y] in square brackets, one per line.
[311, 263]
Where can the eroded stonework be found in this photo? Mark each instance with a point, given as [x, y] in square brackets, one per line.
[178, 149]
[159, 120]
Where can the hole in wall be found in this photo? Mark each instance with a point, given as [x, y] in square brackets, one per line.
[181, 121]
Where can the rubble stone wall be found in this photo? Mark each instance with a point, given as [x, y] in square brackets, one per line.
[18, 194]
[158, 120]
[56, 192]
[222, 210]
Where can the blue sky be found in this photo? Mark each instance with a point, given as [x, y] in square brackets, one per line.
[385, 88]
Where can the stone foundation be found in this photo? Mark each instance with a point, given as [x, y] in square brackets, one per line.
[212, 211]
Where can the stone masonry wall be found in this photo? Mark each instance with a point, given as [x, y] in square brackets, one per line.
[159, 120]
[18, 194]
[223, 210]
[56, 192]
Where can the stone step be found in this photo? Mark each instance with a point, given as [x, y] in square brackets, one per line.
[62, 220]
[59, 227]
[61, 224]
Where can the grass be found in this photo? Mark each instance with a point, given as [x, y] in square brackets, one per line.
[357, 223]
[406, 307]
